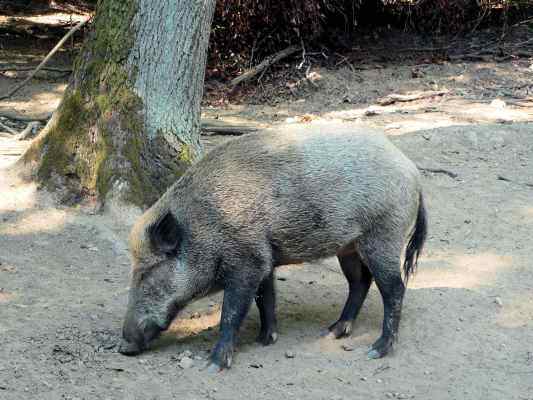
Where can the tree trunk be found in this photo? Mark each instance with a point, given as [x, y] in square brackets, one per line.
[129, 122]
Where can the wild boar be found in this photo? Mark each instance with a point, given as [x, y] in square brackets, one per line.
[264, 200]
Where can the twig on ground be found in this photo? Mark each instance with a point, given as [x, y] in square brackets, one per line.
[520, 103]
[395, 98]
[503, 178]
[8, 129]
[470, 56]
[222, 128]
[46, 59]
[413, 49]
[345, 60]
[303, 55]
[30, 131]
[438, 171]
[23, 69]
[264, 65]
[23, 118]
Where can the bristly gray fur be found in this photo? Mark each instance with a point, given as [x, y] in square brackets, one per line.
[268, 199]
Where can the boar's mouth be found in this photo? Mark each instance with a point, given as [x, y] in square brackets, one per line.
[136, 335]
[129, 348]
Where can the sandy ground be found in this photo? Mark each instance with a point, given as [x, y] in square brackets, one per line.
[467, 327]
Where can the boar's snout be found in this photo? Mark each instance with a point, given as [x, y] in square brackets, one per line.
[137, 335]
[128, 349]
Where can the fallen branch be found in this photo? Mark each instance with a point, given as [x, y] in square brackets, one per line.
[397, 98]
[410, 49]
[211, 126]
[503, 178]
[519, 104]
[264, 64]
[25, 118]
[470, 57]
[451, 174]
[222, 128]
[8, 129]
[30, 131]
[23, 69]
[46, 59]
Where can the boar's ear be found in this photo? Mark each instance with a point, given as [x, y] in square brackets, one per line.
[165, 234]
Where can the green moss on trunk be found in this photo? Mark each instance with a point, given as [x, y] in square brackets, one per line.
[97, 139]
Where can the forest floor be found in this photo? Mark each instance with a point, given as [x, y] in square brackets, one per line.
[467, 327]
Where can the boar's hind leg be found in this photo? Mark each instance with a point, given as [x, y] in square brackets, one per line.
[383, 260]
[266, 303]
[359, 280]
[239, 292]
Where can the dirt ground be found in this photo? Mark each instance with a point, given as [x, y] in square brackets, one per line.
[467, 327]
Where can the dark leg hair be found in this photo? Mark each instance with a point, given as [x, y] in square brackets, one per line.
[239, 292]
[266, 303]
[384, 263]
[359, 280]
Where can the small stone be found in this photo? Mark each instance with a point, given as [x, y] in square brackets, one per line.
[389, 395]
[497, 103]
[364, 378]
[402, 396]
[379, 380]
[289, 354]
[347, 347]
[185, 354]
[186, 363]
[498, 301]
[369, 112]
[503, 121]
[393, 126]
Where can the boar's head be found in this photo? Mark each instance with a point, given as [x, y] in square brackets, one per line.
[165, 277]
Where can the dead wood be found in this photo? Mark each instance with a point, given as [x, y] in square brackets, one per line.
[264, 65]
[223, 128]
[401, 98]
[23, 69]
[438, 171]
[46, 59]
[8, 129]
[25, 118]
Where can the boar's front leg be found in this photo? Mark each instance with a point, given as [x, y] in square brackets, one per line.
[266, 303]
[240, 288]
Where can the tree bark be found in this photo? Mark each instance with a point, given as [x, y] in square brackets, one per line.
[129, 122]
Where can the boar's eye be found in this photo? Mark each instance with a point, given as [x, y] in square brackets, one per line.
[165, 234]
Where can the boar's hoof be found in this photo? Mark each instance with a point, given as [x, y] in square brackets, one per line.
[374, 354]
[222, 355]
[128, 349]
[380, 348]
[339, 329]
[212, 368]
[267, 338]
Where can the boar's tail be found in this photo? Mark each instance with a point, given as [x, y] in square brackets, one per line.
[416, 242]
